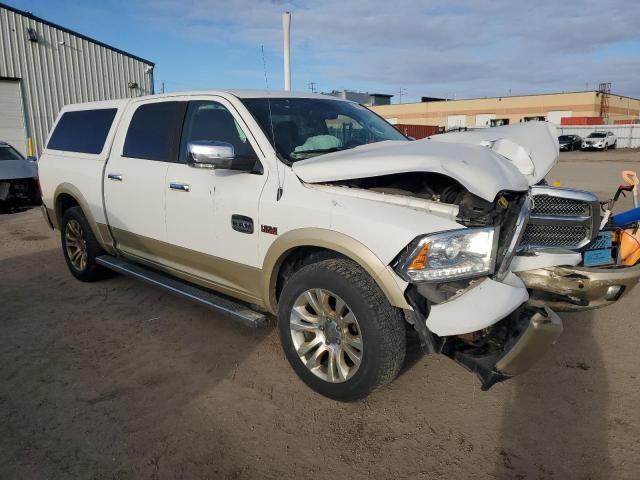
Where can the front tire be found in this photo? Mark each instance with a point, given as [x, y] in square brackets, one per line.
[80, 247]
[338, 331]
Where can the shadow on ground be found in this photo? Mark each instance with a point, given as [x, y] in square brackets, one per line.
[559, 412]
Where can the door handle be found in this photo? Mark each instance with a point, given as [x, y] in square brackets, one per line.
[115, 176]
[180, 187]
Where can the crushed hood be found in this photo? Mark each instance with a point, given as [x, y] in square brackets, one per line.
[14, 169]
[485, 162]
[531, 146]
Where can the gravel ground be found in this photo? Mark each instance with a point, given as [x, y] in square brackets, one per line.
[118, 380]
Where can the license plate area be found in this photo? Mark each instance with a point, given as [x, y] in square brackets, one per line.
[600, 251]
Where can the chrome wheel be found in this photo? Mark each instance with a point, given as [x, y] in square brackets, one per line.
[76, 245]
[326, 335]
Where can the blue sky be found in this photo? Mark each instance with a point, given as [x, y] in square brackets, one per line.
[455, 49]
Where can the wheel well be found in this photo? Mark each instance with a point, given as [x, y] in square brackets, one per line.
[300, 257]
[63, 203]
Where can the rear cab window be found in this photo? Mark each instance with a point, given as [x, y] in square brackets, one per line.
[154, 131]
[82, 131]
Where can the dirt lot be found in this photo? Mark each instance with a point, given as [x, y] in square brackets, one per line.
[119, 380]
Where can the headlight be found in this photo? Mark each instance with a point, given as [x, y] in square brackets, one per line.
[452, 255]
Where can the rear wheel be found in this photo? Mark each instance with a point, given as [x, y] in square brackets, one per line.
[338, 331]
[80, 246]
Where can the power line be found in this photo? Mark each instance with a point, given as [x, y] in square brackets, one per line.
[312, 87]
[401, 92]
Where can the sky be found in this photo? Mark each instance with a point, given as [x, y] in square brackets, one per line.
[452, 48]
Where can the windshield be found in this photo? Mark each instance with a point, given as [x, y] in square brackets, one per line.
[7, 152]
[307, 127]
[597, 135]
[565, 138]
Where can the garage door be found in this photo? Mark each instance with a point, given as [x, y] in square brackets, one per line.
[555, 116]
[12, 117]
[484, 119]
[456, 121]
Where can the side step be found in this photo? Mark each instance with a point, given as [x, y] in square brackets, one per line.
[220, 304]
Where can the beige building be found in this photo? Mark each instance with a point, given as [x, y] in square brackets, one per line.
[487, 112]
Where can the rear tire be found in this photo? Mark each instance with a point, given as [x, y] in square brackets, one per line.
[355, 333]
[80, 247]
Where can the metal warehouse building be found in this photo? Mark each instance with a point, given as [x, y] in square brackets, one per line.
[44, 66]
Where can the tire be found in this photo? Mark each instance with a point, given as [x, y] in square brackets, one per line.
[606, 146]
[615, 145]
[81, 259]
[378, 326]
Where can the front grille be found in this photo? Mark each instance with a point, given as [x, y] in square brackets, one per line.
[559, 236]
[563, 207]
[561, 218]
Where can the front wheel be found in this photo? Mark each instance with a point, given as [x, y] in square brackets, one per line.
[338, 331]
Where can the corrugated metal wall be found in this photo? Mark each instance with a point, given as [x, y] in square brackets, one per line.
[628, 136]
[62, 68]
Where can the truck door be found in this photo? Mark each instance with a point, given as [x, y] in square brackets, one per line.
[212, 215]
[135, 177]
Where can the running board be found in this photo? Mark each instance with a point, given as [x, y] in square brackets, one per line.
[220, 304]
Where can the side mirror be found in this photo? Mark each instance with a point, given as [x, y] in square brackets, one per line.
[210, 154]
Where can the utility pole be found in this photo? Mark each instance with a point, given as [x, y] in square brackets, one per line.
[401, 92]
[162, 87]
[312, 87]
[286, 32]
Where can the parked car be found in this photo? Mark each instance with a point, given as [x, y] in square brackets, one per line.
[570, 142]
[320, 213]
[18, 179]
[600, 141]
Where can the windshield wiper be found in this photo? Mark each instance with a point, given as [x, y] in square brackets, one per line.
[325, 150]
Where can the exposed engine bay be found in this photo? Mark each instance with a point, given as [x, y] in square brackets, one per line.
[473, 210]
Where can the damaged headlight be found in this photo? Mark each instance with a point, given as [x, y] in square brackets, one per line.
[452, 255]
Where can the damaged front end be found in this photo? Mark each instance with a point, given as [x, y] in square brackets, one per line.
[575, 289]
[509, 348]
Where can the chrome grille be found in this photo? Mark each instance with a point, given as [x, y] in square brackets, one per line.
[563, 207]
[565, 236]
[561, 218]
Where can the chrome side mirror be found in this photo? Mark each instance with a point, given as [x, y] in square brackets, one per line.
[210, 154]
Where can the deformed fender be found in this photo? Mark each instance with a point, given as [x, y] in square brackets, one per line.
[100, 231]
[390, 284]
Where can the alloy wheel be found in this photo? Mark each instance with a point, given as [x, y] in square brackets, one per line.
[76, 245]
[326, 335]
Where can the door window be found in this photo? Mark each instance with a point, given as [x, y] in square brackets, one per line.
[211, 121]
[154, 131]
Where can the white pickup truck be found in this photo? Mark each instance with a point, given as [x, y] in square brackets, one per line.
[316, 211]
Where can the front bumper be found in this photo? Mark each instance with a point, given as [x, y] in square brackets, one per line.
[537, 329]
[592, 147]
[571, 289]
[476, 308]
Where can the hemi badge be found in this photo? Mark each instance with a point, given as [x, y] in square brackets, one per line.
[269, 229]
[503, 203]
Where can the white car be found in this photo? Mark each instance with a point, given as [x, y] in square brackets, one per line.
[599, 141]
[318, 212]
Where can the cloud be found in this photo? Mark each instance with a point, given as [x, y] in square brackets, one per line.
[455, 48]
